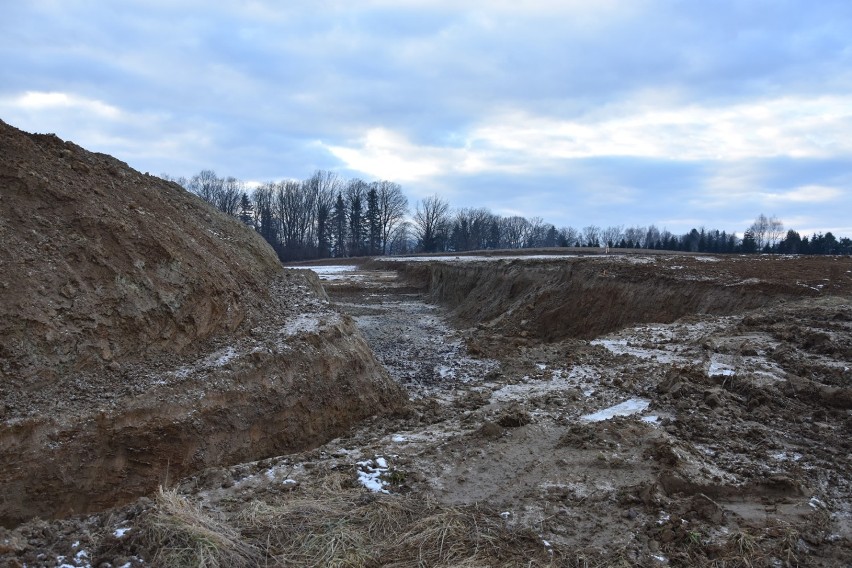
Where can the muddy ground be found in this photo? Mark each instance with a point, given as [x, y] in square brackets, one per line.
[718, 440]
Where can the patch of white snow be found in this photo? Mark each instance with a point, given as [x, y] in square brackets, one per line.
[626, 408]
[120, 532]
[369, 474]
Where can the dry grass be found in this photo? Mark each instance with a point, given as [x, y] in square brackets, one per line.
[337, 527]
[180, 534]
[330, 522]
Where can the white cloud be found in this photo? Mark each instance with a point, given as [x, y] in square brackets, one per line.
[794, 127]
[147, 140]
[805, 194]
[34, 101]
[517, 141]
[384, 154]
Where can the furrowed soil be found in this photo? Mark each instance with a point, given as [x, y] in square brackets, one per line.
[630, 410]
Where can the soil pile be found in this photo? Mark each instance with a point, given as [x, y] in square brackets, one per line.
[102, 263]
[144, 336]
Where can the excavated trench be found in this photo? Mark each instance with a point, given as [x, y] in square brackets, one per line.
[263, 397]
[584, 297]
[298, 378]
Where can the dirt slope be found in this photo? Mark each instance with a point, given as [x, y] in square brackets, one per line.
[144, 336]
[102, 263]
[585, 296]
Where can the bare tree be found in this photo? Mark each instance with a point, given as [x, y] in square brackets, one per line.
[653, 237]
[393, 208]
[431, 221]
[635, 236]
[473, 229]
[207, 185]
[294, 207]
[569, 236]
[324, 185]
[402, 240]
[759, 231]
[775, 230]
[513, 231]
[535, 233]
[227, 199]
[612, 235]
[181, 180]
[592, 236]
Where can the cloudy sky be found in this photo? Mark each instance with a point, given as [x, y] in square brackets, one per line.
[679, 113]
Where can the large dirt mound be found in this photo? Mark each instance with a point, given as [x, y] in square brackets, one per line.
[145, 336]
[102, 263]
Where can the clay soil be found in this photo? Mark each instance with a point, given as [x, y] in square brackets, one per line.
[714, 435]
[145, 336]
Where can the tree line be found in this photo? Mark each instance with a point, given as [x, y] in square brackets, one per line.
[326, 216]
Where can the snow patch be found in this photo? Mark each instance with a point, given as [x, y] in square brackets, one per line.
[369, 474]
[329, 273]
[221, 358]
[302, 323]
[626, 408]
[720, 369]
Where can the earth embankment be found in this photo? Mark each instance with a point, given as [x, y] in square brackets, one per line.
[584, 297]
[145, 335]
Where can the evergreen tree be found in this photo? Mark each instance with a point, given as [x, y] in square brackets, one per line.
[246, 209]
[749, 244]
[791, 243]
[324, 229]
[374, 225]
[356, 226]
[338, 221]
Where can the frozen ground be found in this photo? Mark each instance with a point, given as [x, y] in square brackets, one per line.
[709, 441]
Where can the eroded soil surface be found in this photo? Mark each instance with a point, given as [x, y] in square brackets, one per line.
[713, 440]
[736, 432]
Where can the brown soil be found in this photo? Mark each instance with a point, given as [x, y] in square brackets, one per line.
[585, 296]
[732, 373]
[740, 458]
[145, 336]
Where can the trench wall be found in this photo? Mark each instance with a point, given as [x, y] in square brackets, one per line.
[259, 405]
[577, 298]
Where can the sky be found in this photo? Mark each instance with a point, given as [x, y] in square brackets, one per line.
[677, 113]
